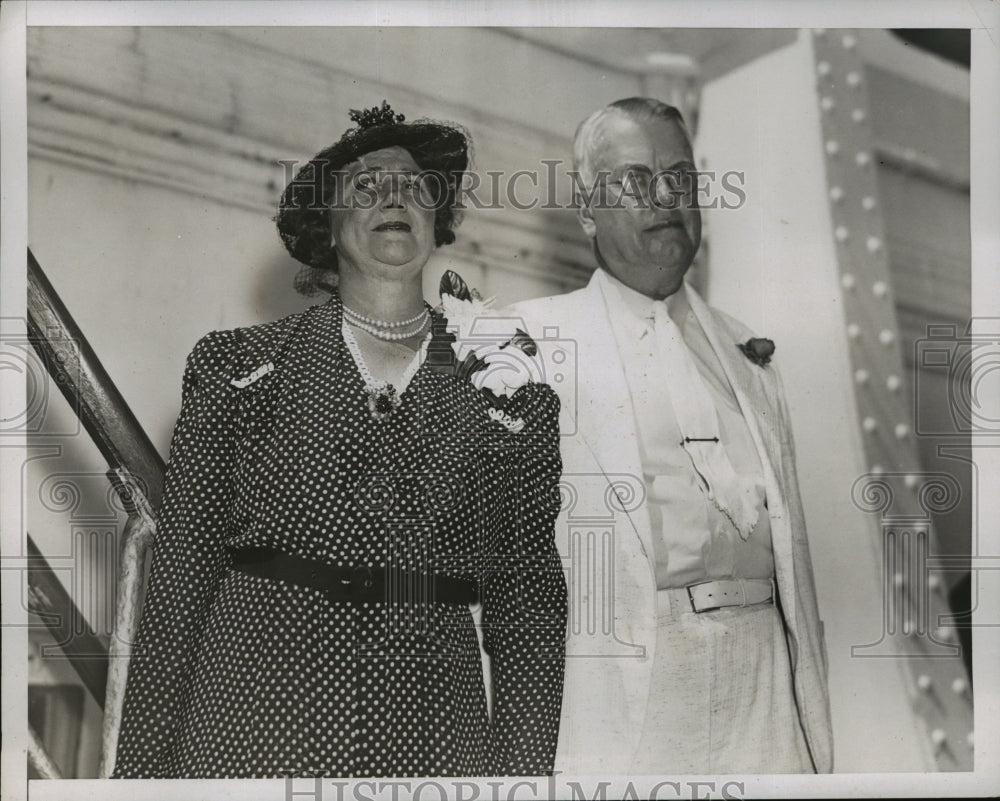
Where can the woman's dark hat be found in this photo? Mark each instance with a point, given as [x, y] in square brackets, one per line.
[434, 145]
[437, 147]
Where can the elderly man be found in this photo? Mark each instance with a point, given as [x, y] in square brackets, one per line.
[696, 645]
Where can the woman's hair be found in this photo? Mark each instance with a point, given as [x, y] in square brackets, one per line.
[304, 220]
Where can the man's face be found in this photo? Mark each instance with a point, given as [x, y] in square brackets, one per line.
[647, 232]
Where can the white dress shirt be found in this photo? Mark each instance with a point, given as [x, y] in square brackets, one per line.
[693, 541]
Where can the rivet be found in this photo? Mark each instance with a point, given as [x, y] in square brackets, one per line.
[925, 683]
[879, 289]
[877, 469]
[832, 147]
[823, 68]
[853, 79]
[862, 158]
[901, 430]
[911, 482]
[836, 194]
[861, 376]
[826, 103]
[847, 281]
[960, 687]
[886, 337]
[867, 202]
[873, 243]
[841, 233]
[858, 115]
[869, 424]
[853, 331]
[848, 42]
[893, 383]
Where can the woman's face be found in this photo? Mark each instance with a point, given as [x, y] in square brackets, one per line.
[384, 227]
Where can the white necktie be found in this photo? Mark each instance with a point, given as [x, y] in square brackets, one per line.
[698, 421]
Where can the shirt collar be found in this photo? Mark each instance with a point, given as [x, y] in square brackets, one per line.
[639, 308]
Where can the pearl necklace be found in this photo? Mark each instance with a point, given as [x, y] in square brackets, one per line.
[384, 323]
[389, 336]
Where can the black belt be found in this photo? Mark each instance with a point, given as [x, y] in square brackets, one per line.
[355, 583]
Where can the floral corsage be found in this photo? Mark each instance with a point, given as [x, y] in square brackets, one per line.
[489, 350]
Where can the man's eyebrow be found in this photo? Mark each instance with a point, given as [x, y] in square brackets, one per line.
[679, 164]
[631, 166]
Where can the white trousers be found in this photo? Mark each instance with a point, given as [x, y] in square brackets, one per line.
[721, 699]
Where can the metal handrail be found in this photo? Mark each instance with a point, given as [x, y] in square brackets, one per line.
[89, 389]
[135, 471]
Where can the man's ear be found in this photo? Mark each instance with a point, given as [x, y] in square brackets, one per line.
[586, 218]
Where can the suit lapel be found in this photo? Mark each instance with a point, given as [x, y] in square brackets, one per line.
[756, 394]
[605, 416]
[749, 383]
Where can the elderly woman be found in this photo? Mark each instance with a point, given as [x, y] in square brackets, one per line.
[341, 490]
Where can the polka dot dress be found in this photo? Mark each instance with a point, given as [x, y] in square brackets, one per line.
[234, 675]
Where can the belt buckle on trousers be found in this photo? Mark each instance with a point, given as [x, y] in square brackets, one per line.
[694, 606]
[730, 592]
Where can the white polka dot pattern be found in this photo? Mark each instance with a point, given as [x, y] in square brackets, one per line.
[240, 676]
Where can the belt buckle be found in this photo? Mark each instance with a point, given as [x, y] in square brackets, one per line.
[355, 584]
[694, 608]
[361, 582]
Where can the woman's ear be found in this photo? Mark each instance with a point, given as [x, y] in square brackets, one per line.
[586, 218]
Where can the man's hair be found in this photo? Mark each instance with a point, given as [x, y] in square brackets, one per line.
[640, 109]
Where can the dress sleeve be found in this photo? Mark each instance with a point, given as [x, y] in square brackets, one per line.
[188, 561]
[524, 593]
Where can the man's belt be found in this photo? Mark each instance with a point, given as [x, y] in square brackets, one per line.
[709, 595]
[355, 583]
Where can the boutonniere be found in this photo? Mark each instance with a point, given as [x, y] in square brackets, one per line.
[484, 347]
[758, 350]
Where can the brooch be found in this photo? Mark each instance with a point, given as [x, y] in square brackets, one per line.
[382, 399]
[260, 372]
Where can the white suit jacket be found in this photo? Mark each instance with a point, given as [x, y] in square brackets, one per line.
[605, 539]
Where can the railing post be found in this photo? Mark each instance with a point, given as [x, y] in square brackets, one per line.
[136, 542]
